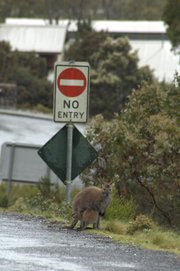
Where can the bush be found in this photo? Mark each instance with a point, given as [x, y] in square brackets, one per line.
[141, 222]
[141, 147]
[4, 202]
[115, 226]
[19, 205]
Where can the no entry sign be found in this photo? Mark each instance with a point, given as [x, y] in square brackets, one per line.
[71, 92]
[71, 82]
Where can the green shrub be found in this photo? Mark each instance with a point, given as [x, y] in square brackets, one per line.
[4, 202]
[44, 187]
[19, 205]
[121, 208]
[141, 222]
[48, 191]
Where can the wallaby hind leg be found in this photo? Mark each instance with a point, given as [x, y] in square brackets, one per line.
[83, 226]
[74, 222]
[96, 225]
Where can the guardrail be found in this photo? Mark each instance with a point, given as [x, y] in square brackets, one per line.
[27, 114]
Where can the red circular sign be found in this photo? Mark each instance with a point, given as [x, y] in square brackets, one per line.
[71, 82]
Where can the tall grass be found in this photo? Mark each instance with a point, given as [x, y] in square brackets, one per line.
[41, 199]
[121, 208]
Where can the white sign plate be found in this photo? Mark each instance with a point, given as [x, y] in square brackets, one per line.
[71, 92]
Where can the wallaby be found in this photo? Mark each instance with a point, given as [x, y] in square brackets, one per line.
[91, 198]
[89, 217]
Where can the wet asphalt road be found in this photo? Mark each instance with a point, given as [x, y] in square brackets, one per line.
[29, 244]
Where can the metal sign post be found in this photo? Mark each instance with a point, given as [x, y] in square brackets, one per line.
[69, 161]
[10, 171]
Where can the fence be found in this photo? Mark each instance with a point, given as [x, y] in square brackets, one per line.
[20, 163]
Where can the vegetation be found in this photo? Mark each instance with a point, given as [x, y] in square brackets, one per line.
[82, 9]
[139, 150]
[114, 68]
[141, 222]
[42, 199]
[115, 73]
[171, 16]
[29, 73]
[157, 238]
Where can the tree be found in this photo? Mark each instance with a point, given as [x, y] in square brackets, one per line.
[87, 42]
[82, 9]
[115, 73]
[7, 61]
[114, 68]
[171, 16]
[139, 150]
[29, 72]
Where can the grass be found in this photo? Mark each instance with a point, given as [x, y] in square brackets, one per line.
[158, 238]
[118, 223]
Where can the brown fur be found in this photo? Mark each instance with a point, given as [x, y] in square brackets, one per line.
[91, 198]
[89, 217]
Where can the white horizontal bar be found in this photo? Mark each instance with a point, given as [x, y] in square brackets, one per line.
[71, 82]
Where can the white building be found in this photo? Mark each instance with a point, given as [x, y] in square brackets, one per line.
[30, 35]
[149, 38]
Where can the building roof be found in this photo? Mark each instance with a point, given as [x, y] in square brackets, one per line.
[159, 57]
[111, 26]
[126, 26]
[38, 38]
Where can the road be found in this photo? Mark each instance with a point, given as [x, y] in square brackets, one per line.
[29, 244]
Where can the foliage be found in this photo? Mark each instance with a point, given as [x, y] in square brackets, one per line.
[139, 149]
[115, 73]
[36, 199]
[171, 16]
[4, 202]
[141, 222]
[115, 226]
[85, 39]
[28, 71]
[114, 68]
[7, 61]
[171, 104]
[151, 237]
[81, 9]
[120, 208]
[165, 240]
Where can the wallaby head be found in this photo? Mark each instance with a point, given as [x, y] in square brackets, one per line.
[107, 189]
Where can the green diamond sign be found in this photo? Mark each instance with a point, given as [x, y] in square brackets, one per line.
[54, 153]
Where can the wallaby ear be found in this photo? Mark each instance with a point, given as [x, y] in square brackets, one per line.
[111, 183]
[108, 185]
